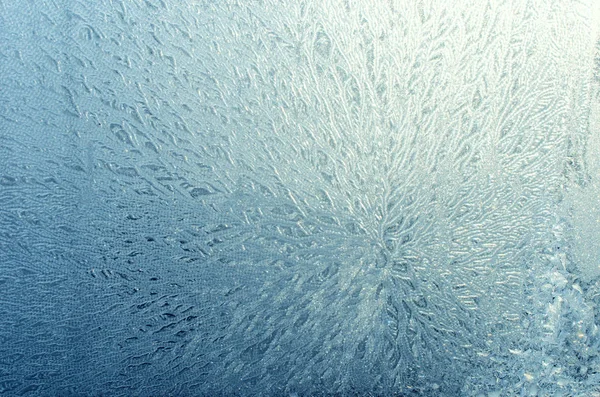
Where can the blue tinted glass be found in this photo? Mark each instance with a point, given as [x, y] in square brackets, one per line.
[341, 197]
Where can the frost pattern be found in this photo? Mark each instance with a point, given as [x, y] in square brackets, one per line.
[342, 197]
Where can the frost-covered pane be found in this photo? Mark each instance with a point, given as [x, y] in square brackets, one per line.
[299, 198]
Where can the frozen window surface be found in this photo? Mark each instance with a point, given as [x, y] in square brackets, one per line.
[311, 197]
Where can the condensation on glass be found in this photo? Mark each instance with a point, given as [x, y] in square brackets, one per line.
[299, 198]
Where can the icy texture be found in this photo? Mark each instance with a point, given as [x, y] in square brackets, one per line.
[312, 197]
